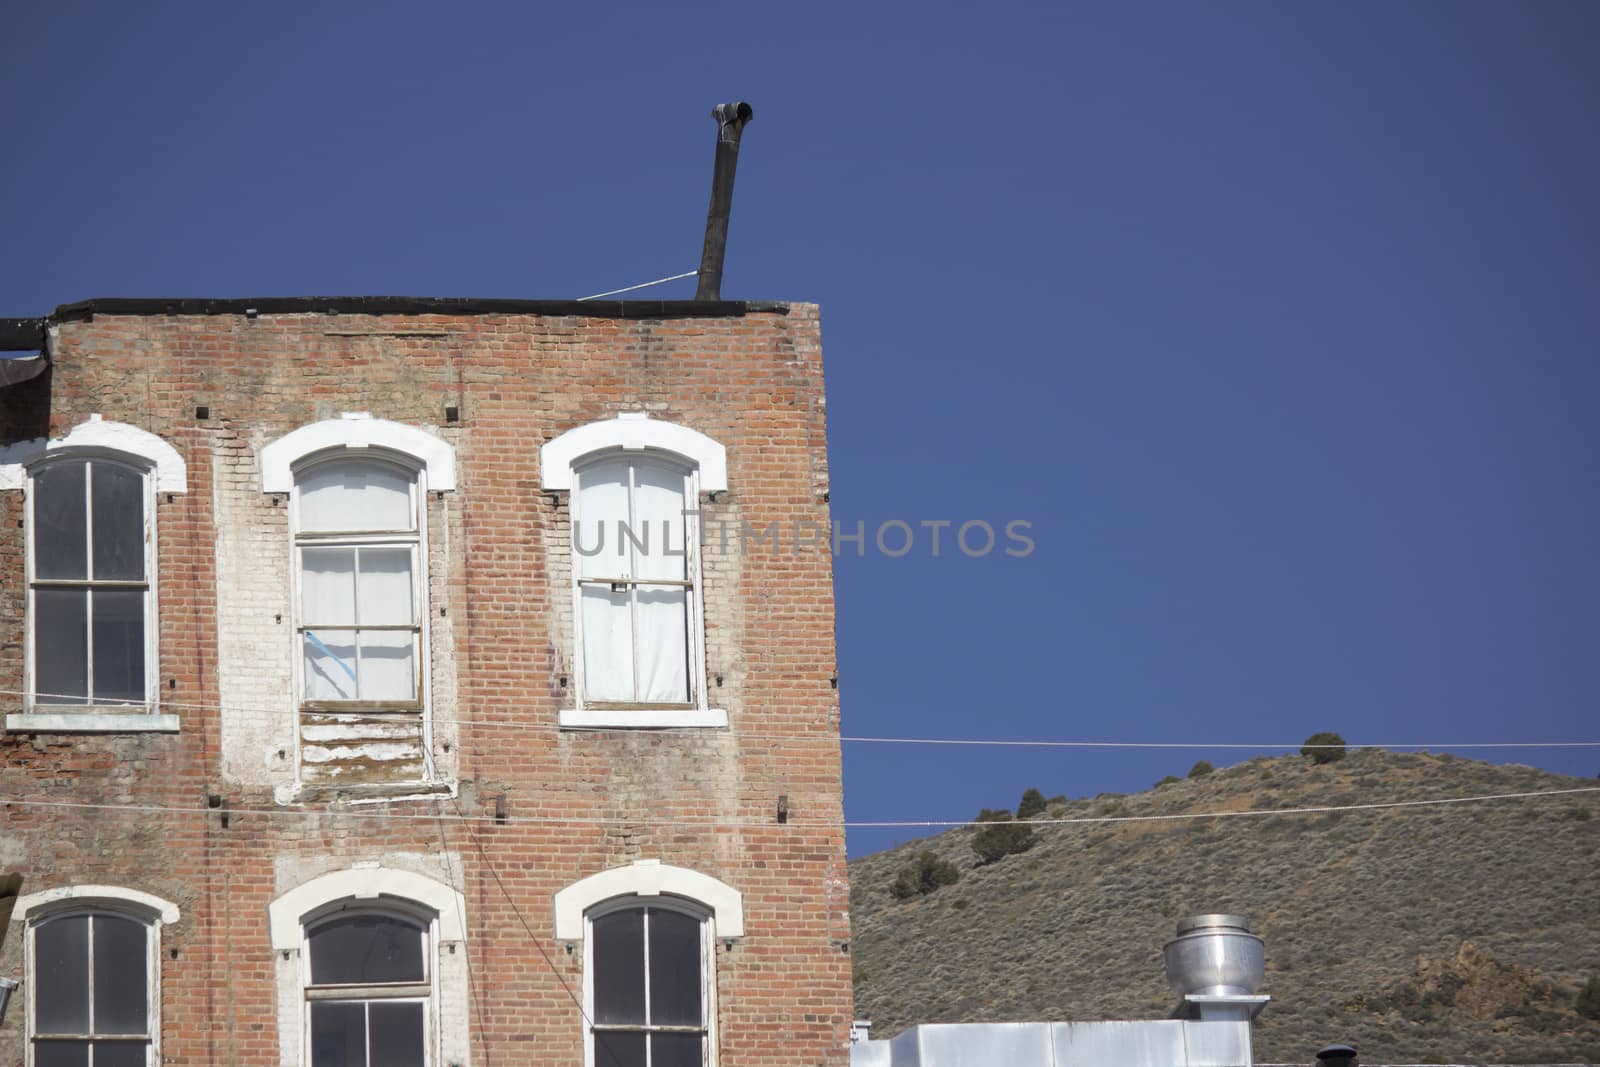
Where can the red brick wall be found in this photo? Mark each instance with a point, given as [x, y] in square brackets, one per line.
[578, 802]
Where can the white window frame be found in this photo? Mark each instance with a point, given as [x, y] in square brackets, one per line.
[708, 972]
[150, 911]
[651, 883]
[372, 888]
[426, 991]
[163, 471]
[416, 539]
[147, 503]
[704, 460]
[356, 435]
[695, 624]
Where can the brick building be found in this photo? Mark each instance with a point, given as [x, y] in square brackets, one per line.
[397, 682]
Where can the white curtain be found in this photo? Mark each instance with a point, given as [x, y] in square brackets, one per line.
[342, 588]
[635, 636]
[355, 496]
[330, 665]
[383, 593]
[387, 659]
[599, 544]
[600, 551]
[328, 586]
[661, 610]
[607, 644]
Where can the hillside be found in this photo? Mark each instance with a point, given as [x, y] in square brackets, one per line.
[1455, 934]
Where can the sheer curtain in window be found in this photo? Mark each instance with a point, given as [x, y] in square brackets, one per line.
[630, 551]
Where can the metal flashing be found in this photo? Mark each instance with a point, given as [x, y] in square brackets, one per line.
[21, 335]
[84, 310]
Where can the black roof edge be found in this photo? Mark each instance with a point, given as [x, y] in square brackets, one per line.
[21, 335]
[415, 305]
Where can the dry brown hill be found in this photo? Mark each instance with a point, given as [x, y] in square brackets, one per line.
[1453, 934]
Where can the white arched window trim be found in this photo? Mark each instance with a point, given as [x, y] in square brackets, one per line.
[632, 432]
[140, 905]
[357, 431]
[431, 463]
[286, 916]
[163, 471]
[649, 878]
[96, 436]
[439, 908]
[147, 908]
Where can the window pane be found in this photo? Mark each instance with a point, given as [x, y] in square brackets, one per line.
[366, 949]
[60, 528]
[607, 643]
[674, 969]
[397, 1033]
[388, 666]
[119, 645]
[355, 496]
[61, 968]
[384, 594]
[118, 519]
[619, 968]
[121, 976]
[618, 1050]
[330, 664]
[658, 506]
[338, 1034]
[61, 1054]
[663, 644]
[673, 1050]
[600, 544]
[120, 1054]
[327, 586]
[61, 645]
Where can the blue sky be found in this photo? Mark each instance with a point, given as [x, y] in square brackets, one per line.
[1278, 322]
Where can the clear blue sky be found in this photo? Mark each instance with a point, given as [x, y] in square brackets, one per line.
[1278, 321]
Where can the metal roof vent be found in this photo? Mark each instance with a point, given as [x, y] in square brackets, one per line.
[1215, 955]
[1337, 1056]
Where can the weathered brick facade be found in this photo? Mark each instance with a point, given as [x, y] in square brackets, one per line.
[215, 817]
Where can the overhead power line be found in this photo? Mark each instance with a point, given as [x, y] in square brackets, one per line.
[1002, 743]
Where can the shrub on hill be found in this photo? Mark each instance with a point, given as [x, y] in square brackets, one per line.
[923, 875]
[1589, 999]
[1031, 804]
[1001, 838]
[1324, 747]
[1201, 769]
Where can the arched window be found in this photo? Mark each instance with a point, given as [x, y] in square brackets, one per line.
[368, 990]
[356, 559]
[647, 979]
[93, 956]
[90, 581]
[362, 980]
[638, 612]
[357, 489]
[636, 588]
[649, 932]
